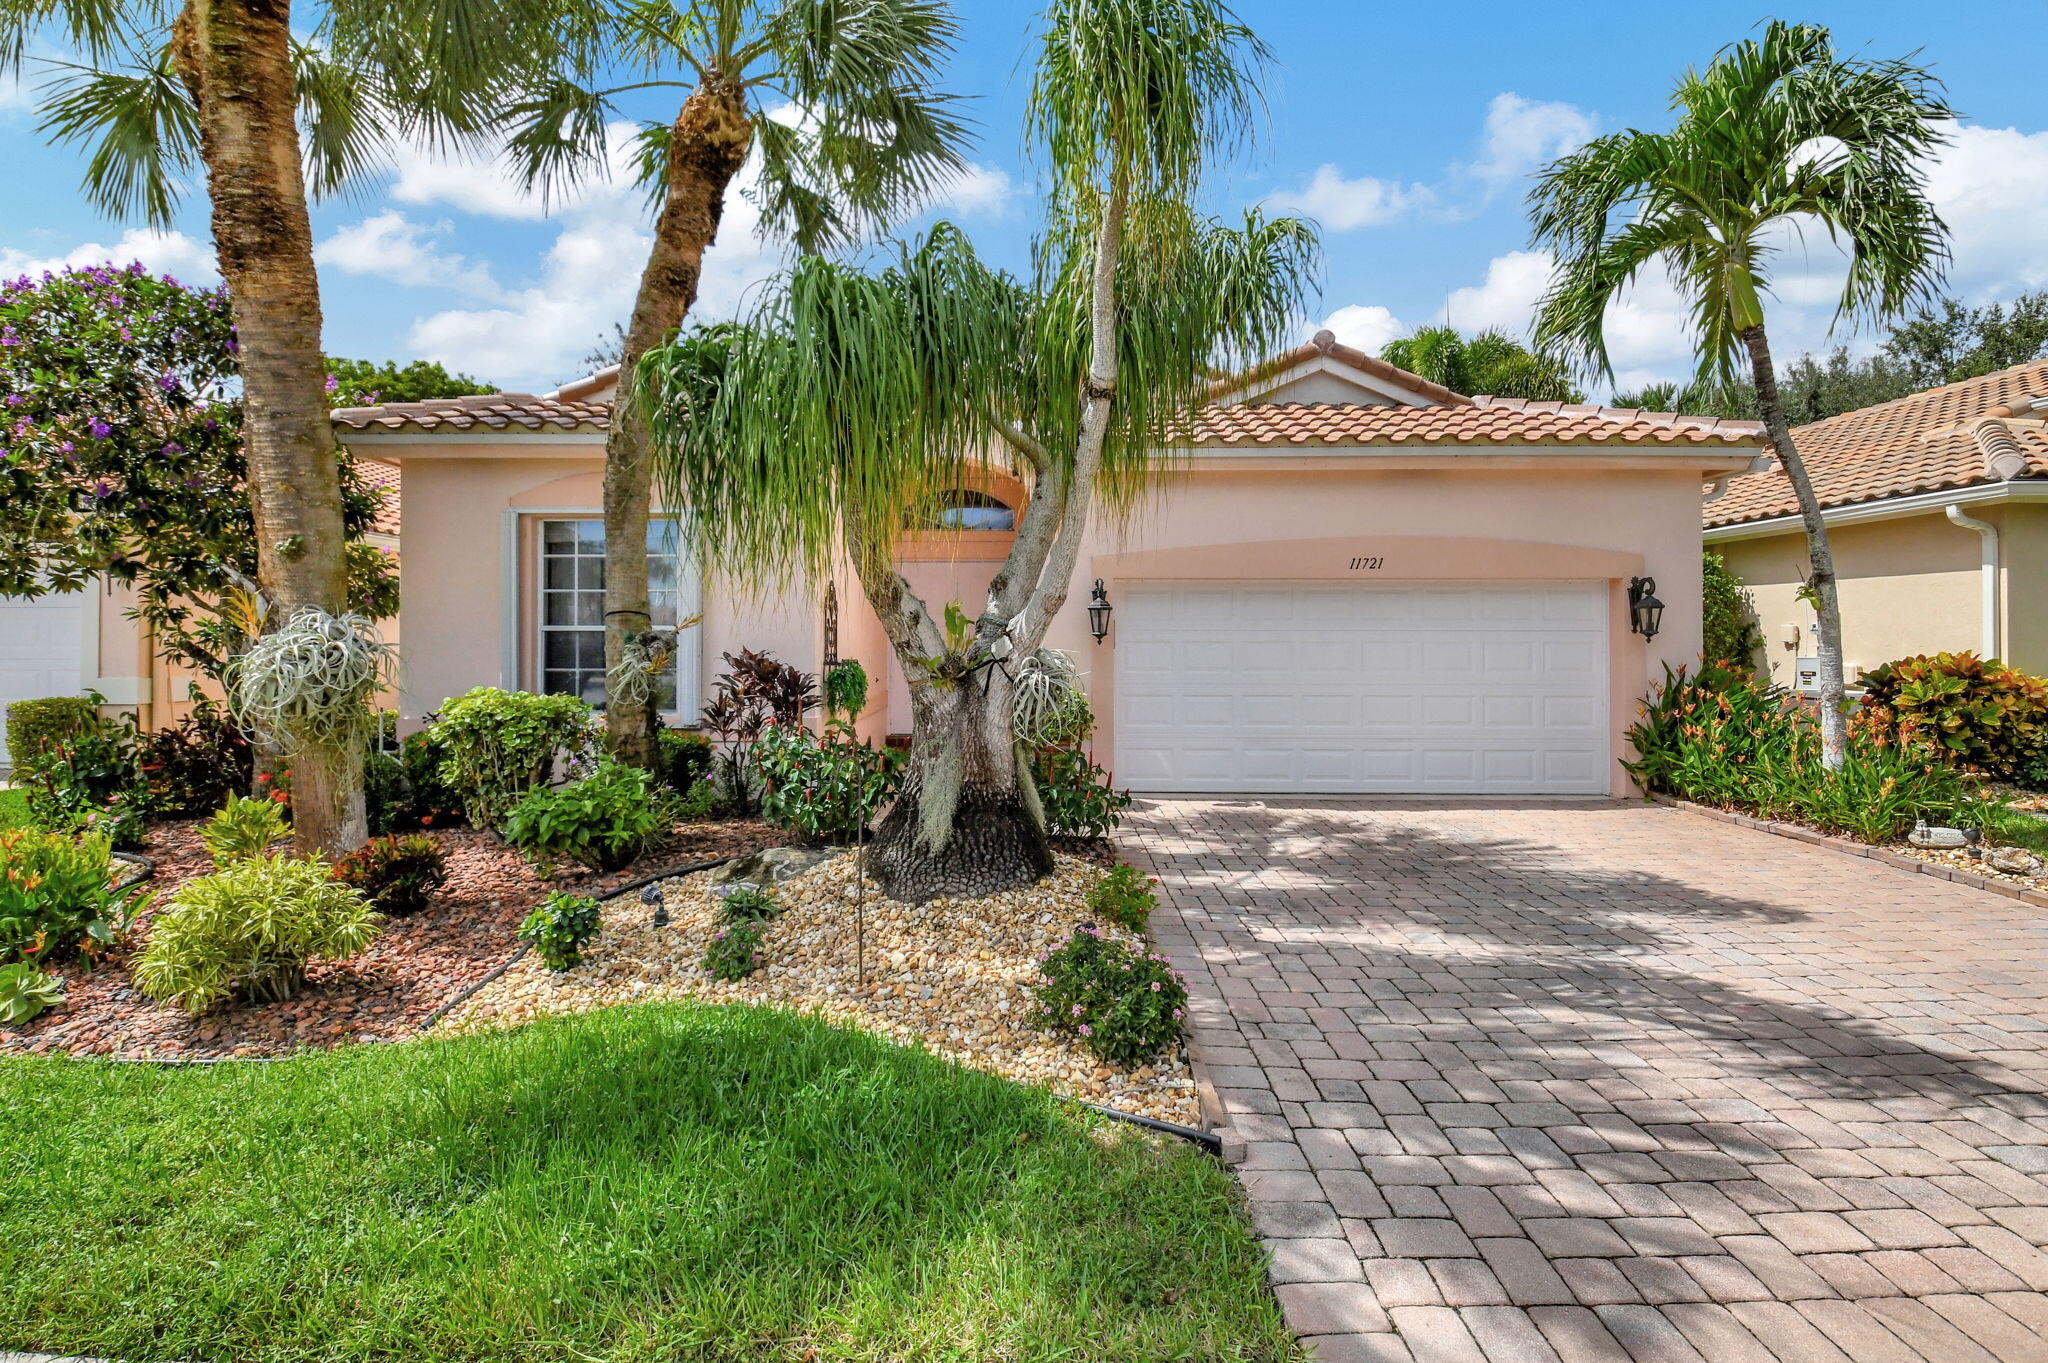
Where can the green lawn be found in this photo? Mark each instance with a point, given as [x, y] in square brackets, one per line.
[652, 1183]
[13, 808]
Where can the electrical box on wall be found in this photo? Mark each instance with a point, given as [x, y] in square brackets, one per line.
[1806, 676]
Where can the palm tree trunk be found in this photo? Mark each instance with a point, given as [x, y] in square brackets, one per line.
[1820, 582]
[235, 56]
[707, 146]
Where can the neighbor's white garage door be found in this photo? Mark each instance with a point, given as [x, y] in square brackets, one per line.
[1438, 688]
[39, 649]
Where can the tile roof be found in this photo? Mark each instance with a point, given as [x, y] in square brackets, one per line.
[485, 412]
[1326, 344]
[1982, 430]
[1483, 421]
[384, 477]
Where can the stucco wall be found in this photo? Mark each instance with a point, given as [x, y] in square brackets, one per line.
[1910, 585]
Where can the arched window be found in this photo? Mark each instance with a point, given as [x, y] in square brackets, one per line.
[964, 508]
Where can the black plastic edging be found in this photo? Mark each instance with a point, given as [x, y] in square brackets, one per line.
[1208, 1140]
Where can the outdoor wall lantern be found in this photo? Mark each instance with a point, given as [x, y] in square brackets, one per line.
[1098, 612]
[1645, 611]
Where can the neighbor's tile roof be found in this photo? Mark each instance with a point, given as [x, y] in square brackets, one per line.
[484, 413]
[1482, 421]
[384, 477]
[1981, 430]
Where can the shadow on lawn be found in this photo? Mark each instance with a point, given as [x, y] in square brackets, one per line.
[1581, 961]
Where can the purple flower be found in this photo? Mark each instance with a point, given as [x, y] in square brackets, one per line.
[102, 490]
[100, 429]
[167, 382]
[332, 383]
[15, 399]
[172, 447]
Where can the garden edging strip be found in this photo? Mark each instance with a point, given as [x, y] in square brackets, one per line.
[1800, 833]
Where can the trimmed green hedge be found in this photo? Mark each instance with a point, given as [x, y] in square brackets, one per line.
[32, 723]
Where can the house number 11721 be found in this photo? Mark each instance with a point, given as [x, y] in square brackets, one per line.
[1368, 565]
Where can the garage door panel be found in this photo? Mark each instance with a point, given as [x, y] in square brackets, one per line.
[41, 649]
[1447, 688]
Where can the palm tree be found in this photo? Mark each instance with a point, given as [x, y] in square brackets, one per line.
[864, 137]
[1778, 132]
[1490, 362]
[227, 84]
[850, 400]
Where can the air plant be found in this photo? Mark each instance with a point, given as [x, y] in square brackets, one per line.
[310, 681]
[1047, 703]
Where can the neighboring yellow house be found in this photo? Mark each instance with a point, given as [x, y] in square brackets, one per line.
[1937, 508]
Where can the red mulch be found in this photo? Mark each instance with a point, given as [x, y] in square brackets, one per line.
[417, 963]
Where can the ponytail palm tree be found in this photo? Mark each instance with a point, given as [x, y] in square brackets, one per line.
[227, 84]
[837, 97]
[831, 420]
[1778, 133]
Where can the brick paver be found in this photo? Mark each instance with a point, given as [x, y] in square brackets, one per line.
[1525, 1079]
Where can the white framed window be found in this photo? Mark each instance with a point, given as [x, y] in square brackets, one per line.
[571, 615]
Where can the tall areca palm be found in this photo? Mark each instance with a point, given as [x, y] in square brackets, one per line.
[157, 87]
[851, 400]
[1777, 132]
[864, 136]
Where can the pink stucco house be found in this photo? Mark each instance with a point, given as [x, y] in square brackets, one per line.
[1356, 582]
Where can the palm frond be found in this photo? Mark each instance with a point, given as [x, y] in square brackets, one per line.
[341, 118]
[140, 127]
[556, 136]
[97, 31]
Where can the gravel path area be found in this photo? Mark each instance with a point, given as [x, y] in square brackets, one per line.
[417, 964]
[952, 975]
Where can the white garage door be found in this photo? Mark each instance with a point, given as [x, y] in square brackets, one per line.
[39, 649]
[1438, 688]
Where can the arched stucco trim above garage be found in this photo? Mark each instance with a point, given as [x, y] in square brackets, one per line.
[1393, 558]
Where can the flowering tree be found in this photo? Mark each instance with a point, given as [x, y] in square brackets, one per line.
[121, 456]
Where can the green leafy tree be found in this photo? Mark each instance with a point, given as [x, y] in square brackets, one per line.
[123, 458]
[1489, 363]
[364, 383]
[853, 398]
[1778, 131]
[228, 87]
[873, 140]
[1728, 632]
[1950, 342]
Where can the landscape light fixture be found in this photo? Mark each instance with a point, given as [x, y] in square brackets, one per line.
[1098, 612]
[1645, 611]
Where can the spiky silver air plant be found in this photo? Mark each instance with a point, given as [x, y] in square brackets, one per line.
[1047, 688]
[311, 680]
[643, 656]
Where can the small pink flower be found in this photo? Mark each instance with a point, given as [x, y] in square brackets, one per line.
[1077, 1010]
[1155, 986]
[1086, 1030]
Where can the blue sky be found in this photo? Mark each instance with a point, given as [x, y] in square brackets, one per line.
[1407, 131]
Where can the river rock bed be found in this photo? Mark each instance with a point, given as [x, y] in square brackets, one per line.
[952, 975]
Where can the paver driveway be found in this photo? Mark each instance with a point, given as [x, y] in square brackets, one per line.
[1528, 1080]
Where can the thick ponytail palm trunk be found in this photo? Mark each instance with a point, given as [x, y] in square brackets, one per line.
[235, 57]
[1820, 581]
[965, 821]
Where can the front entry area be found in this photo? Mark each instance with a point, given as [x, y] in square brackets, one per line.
[1450, 688]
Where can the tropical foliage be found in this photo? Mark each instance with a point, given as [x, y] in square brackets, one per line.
[602, 821]
[1490, 362]
[820, 787]
[56, 894]
[1779, 132]
[27, 992]
[494, 746]
[1725, 739]
[364, 383]
[560, 927]
[1728, 630]
[397, 874]
[1973, 712]
[1123, 1003]
[846, 404]
[1124, 896]
[243, 829]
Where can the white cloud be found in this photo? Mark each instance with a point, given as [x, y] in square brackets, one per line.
[391, 246]
[171, 253]
[1991, 187]
[1523, 134]
[976, 191]
[1365, 326]
[1342, 205]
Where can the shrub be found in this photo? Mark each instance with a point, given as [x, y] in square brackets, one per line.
[1982, 715]
[2033, 769]
[704, 801]
[396, 874]
[683, 758]
[820, 788]
[55, 893]
[199, 764]
[602, 821]
[26, 993]
[1727, 740]
[1075, 794]
[497, 745]
[558, 929]
[34, 724]
[90, 777]
[1728, 629]
[735, 950]
[243, 829]
[387, 795]
[757, 690]
[748, 904]
[249, 931]
[1124, 896]
[430, 801]
[1124, 1005]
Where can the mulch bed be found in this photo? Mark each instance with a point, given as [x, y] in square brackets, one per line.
[416, 965]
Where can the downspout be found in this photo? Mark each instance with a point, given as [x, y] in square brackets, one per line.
[1987, 533]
